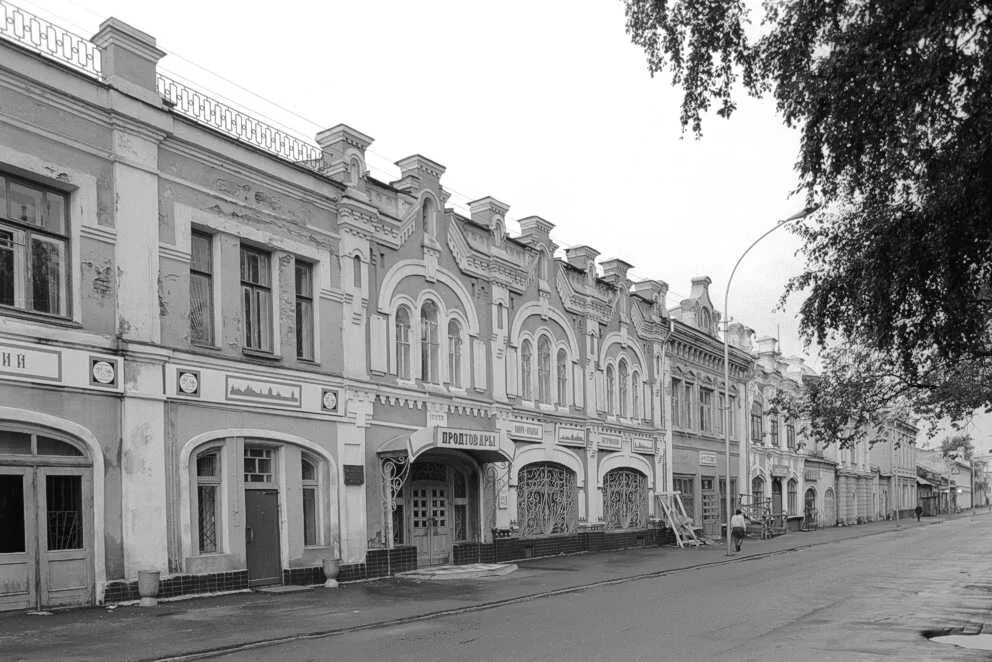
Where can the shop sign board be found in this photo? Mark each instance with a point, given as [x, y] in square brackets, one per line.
[643, 445]
[571, 435]
[30, 362]
[707, 459]
[466, 439]
[780, 470]
[526, 431]
[610, 441]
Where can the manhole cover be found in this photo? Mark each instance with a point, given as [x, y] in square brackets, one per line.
[981, 642]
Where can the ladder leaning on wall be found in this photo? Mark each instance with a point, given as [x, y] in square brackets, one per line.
[671, 505]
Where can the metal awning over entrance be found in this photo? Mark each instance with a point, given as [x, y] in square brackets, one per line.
[483, 445]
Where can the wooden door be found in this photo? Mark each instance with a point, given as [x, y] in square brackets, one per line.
[710, 508]
[65, 534]
[430, 522]
[262, 537]
[18, 538]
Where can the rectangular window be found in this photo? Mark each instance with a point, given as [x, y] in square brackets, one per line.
[309, 516]
[686, 486]
[256, 290]
[304, 310]
[732, 415]
[773, 429]
[790, 435]
[201, 290]
[687, 406]
[676, 403]
[258, 464]
[757, 434]
[33, 247]
[705, 410]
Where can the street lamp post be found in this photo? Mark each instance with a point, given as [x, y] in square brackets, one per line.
[726, 360]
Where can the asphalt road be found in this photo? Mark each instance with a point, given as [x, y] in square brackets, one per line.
[862, 599]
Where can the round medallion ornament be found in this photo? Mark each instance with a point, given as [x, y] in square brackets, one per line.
[103, 372]
[188, 383]
[330, 400]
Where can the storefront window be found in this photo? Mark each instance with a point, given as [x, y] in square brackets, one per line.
[625, 499]
[547, 500]
[207, 489]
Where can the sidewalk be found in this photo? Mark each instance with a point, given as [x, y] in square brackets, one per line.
[200, 624]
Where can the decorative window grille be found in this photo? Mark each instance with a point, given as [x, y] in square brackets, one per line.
[208, 479]
[403, 342]
[547, 500]
[258, 464]
[64, 505]
[622, 388]
[308, 475]
[544, 369]
[256, 290]
[525, 370]
[34, 246]
[562, 395]
[304, 310]
[428, 343]
[201, 294]
[625, 499]
[454, 353]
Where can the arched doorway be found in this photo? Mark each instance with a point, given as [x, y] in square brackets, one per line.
[547, 499]
[776, 496]
[829, 507]
[46, 519]
[809, 505]
[437, 507]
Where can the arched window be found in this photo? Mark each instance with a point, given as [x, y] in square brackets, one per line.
[542, 266]
[544, 369]
[793, 490]
[355, 170]
[403, 342]
[611, 390]
[704, 319]
[622, 380]
[547, 499]
[757, 491]
[500, 316]
[625, 499]
[208, 478]
[428, 217]
[525, 370]
[311, 515]
[562, 362]
[428, 342]
[356, 270]
[635, 395]
[454, 353]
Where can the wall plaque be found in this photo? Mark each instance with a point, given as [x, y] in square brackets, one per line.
[30, 362]
[526, 431]
[707, 459]
[354, 474]
[570, 435]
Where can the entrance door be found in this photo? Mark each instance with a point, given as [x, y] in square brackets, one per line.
[44, 551]
[262, 537]
[431, 530]
[776, 496]
[17, 541]
[711, 508]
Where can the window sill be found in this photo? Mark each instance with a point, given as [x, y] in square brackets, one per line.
[307, 361]
[208, 348]
[30, 316]
[260, 354]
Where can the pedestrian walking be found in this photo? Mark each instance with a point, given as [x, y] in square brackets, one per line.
[918, 511]
[737, 529]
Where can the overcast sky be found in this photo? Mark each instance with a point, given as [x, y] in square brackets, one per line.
[546, 106]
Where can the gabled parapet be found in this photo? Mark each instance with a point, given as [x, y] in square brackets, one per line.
[490, 213]
[344, 153]
[418, 171]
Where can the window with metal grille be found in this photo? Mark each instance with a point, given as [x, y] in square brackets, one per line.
[201, 289]
[547, 499]
[625, 499]
[64, 510]
[208, 479]
[256, 290]
[34, 247]
[304, 310]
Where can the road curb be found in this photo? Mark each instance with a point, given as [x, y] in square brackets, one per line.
[484, 606]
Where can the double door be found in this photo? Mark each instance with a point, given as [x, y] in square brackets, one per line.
[46, 537]
[430, 522]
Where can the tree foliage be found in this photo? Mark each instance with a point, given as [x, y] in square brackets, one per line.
[951, 445]
[892, 103]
